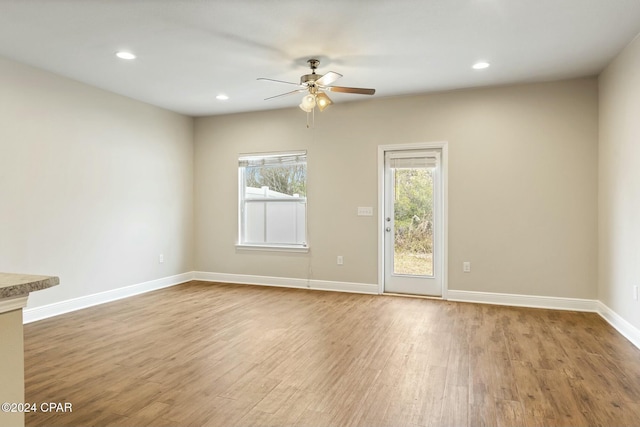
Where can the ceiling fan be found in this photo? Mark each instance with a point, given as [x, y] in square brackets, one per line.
[316, 85]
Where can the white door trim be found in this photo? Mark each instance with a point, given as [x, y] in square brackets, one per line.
[444, 147]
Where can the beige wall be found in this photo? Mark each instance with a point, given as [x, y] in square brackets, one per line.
[522, 185]
[11, 366]
[93, 185]
[619, 184]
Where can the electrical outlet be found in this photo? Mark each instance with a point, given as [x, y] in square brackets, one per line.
[340, 260]
[161, 258]
[466, 267]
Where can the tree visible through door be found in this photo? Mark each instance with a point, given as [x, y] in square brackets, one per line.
[413, 213]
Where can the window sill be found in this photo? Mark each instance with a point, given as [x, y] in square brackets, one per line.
[273, 248]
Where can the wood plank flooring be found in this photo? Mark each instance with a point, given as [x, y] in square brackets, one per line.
[203, 354]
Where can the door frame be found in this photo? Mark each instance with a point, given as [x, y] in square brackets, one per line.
[443, 146]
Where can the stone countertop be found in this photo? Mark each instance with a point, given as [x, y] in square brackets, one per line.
[19, 285]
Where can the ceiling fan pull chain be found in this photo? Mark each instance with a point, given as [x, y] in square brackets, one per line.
[313, 118]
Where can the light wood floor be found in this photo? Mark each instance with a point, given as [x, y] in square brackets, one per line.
[201, 354]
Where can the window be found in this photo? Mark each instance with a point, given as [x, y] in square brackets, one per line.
[273, 200]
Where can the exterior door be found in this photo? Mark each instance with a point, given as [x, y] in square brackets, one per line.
[413, 232]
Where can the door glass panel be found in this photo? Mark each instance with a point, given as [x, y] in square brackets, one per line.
[413, 221]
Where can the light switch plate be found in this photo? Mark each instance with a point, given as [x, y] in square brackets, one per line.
[365, 211]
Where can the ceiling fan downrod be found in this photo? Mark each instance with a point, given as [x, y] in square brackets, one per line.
[310, 79]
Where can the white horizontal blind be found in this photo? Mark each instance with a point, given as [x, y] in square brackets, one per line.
[412, 162]
[283, 159]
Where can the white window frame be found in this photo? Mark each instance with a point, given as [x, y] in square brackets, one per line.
[243, 199]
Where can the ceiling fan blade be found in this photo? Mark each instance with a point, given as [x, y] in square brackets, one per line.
[328, 78]
[287, 93]
[358, 90]
[278, 81]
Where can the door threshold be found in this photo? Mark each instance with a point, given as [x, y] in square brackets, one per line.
[392, 294]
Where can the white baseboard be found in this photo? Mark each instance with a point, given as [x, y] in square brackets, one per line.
[57, 308]
[532, 301]
[284, 282]
[629, 331]
[556, 303]
[625, 328]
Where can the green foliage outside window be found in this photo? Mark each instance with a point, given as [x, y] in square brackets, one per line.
[414, 210]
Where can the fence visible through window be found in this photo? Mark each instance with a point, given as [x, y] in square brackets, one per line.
[273, 217]
[273, 202]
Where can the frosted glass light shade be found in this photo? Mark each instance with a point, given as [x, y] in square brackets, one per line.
[305, 109]
[309, 101]
[323, 101]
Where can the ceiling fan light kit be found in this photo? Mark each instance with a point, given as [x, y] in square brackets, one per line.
[315, 86]
[323, 101]
[308, 103]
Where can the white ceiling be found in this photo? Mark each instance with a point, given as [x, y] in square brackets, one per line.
[191, 50]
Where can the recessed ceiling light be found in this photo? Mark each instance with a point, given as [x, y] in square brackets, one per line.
[480, 65]
[222, 97]
[125, 55]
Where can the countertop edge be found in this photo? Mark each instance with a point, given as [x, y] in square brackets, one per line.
[23, 289]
